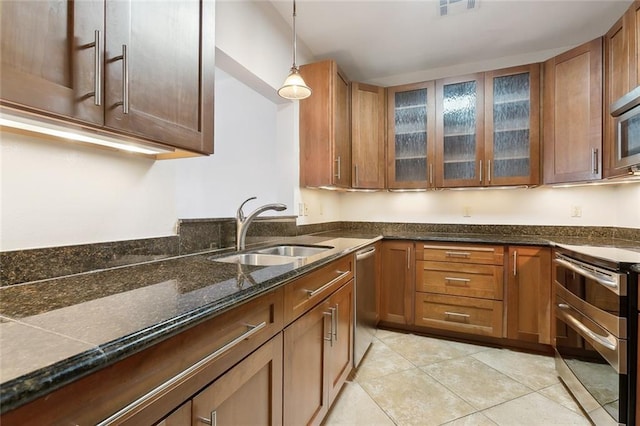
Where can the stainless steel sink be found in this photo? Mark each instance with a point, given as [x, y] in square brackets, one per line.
[276, 255]
[258, 259]
[294, 250]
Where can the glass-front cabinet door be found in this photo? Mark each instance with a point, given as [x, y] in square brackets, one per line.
[459, 131]
[410, 146]
[512, 132]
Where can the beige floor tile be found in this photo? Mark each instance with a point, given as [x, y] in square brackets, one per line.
[475, 419]
[534, 410]
[355, 407]
[380, 361]
[412, 397]
[385, 334]
[422, 350]
[560, 394]
[535, 371]
[476, 382]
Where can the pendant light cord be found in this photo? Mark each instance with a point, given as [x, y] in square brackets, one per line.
[294, 35]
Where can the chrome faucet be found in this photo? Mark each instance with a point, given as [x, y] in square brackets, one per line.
[243, 222]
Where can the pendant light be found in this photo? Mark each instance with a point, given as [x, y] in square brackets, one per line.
[294, 86]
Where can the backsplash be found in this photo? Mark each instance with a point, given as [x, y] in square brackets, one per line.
[198, 235]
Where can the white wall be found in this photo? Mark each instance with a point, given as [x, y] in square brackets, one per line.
[606, 205]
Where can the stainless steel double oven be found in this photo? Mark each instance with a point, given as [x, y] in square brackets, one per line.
[596, 330]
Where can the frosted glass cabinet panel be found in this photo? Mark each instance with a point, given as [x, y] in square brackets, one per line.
[512, 134]
[410, 155]
[460, 116]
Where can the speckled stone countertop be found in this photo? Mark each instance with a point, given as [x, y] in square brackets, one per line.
[55, 331]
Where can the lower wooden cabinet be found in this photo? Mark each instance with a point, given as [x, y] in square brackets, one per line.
[529, 294]
[397, 282]
[317, 358]
[462, 314]
[180, 417]
[257, 381]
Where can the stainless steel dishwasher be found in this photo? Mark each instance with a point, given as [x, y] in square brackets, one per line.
[366, 316]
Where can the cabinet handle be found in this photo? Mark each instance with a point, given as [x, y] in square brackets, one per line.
[337, 175]
[125, 79]
[457, 280]
[431, 174]
[180, 377]
[330, 333]
[312, 293]
[97, 69]
[408, 257]
[355, 172]
[480, 171]
[457, 254]
[515, 263]
[489, 171]
[209, 421]
[336, 310]
[453, 315]
[594, 160]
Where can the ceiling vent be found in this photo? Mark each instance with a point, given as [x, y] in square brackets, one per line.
[454, 7]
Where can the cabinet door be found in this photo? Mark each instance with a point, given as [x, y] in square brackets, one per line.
[256, 380]
[411, 136]
[180, 417]
[397, 282]
[325, 148]
[367, 136]
[305, 382]
[340, 352]
[633, 21]
[460, 131]
[529, 294]
[573, 115]
[51, 54]
[617, 70]
[159, 65]
[512, 126]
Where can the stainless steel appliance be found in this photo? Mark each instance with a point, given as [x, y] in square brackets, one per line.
[627, 144]
[365, 298]
[596, 329]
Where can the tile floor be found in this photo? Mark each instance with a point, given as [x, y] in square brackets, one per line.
[406, 379]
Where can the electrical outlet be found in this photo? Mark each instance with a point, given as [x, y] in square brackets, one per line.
[306, 209]
[302, 209]
[466, 211]
[576, 211]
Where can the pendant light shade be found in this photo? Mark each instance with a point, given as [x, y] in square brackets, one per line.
[294, 86]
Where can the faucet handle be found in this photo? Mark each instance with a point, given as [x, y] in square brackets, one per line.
[240, 214]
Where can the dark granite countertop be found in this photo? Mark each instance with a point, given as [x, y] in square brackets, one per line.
[55, 331]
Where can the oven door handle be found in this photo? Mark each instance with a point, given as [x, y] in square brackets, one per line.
[589, 334]
[586, 273]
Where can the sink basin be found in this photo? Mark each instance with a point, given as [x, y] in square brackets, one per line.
[294, 250]
[258, 259]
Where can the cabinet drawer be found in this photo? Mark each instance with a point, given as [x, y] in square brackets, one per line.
[488, 255]
[306, 292]
[460, 279]
[456, 313]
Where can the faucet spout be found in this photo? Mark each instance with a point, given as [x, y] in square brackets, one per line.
[243, 222]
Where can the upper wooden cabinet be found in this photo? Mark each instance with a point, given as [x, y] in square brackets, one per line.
[512, 126]
[367, 136]
[411, 117]
[325, 147]
[459, 131]
[120, 66]
[573, 115]
[633, 24]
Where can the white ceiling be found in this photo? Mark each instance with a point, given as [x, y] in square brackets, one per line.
[395, 41]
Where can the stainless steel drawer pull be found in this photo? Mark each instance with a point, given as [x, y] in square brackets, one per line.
[605, 341]
[330, 333]
[312, 293]
[457, 254]
[181, 377]
[457, 280]
[608, 279]
[457, 315]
